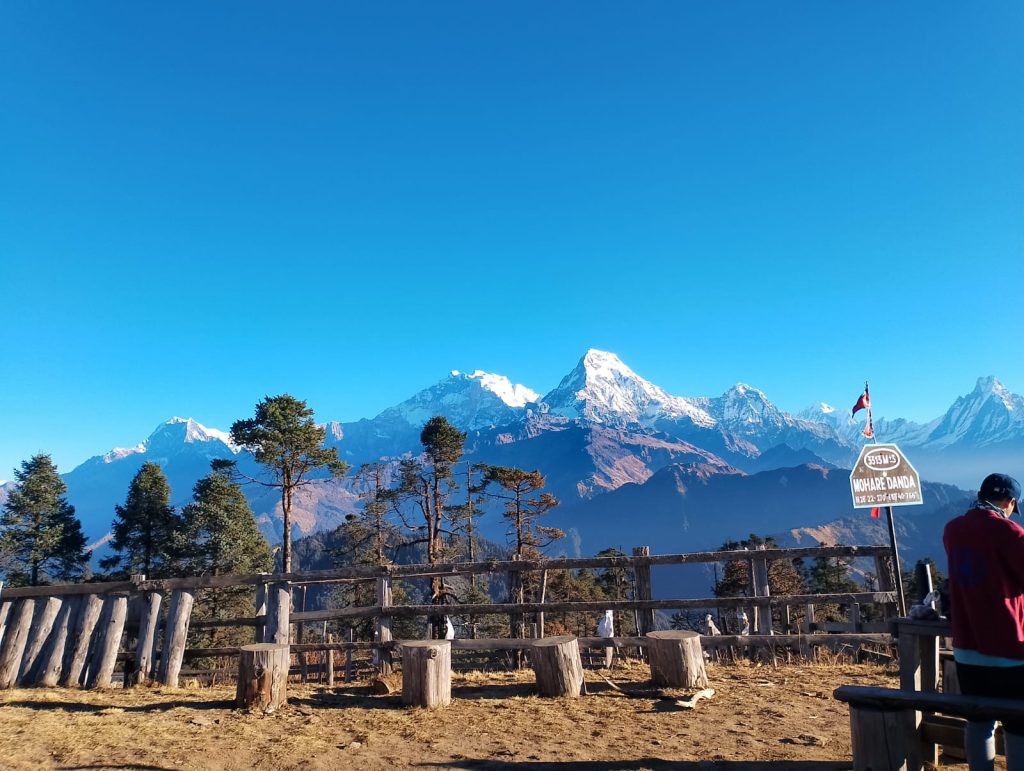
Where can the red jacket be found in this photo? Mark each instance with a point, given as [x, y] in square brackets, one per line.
[986, 583]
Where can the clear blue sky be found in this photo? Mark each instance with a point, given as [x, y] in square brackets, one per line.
[204, 203]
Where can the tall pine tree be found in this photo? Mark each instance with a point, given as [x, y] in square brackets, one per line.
[219, 537]
[39, 532]
[284, 438]
[145, 527]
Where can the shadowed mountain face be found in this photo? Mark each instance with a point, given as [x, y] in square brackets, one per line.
[631, 463]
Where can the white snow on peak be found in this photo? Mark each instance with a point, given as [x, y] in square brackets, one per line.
[123, 452]
[197, 432]
[168, 432]
[513, 394]
[604, 390]
[826, 409]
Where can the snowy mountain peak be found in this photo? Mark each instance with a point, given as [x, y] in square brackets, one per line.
[513, 394]
[602, 389]
[470, 400]
[990, 386]
[171, 435]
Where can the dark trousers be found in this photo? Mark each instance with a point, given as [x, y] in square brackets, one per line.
[997, 682]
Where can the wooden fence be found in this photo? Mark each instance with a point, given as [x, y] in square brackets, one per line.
[75, 634]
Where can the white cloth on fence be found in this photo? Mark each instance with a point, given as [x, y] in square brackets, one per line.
[449, 630]
[709, 623]
[606, 625]
[744, 622]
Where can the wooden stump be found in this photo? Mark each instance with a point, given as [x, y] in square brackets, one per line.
[5, 611]
[263, 676]
[427, 673]
[108, 641]
[54, 657]
[677, 659]
[175, 635]
[42, 625]
[88, 615]
[15, 639]
[145, 647]
[884, 739]
[557, 666]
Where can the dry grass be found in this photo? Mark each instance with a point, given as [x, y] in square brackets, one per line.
[761, 717]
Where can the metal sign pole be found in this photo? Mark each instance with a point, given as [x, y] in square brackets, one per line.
[901, 600]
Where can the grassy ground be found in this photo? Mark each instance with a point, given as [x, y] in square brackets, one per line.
[760, 718]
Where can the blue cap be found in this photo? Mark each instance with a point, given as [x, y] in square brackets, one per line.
[1001, 487]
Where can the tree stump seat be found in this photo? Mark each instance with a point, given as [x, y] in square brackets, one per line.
[263, 677]
[677, 659]
[557, 665]
[427, 673]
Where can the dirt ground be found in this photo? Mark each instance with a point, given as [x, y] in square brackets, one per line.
[761, 718]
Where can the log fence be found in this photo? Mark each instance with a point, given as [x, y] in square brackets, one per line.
[74, 635]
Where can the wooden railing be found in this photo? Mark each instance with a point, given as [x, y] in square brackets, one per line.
[34, 619]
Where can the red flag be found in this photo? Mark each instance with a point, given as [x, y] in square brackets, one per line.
[876, 513]
[863, 403]
[869, 429]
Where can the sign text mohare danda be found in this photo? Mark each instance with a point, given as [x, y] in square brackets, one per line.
[882, 476]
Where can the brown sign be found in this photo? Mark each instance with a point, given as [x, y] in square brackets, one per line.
[882, 476]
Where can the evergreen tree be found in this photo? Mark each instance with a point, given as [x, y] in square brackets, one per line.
[831, 575]
[285, 439]
[523, 511]
[784, 576]
[39, 532]
[427, 485]
[219, 537]
[145, 527]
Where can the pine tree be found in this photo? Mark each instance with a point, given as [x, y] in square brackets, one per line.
[831, 575]
[523, 512]
[428, 484]
[784, 576]
[219, 537]
[145, 528]
[285, 439]
[39, 531]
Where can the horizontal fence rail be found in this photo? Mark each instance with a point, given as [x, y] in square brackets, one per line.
[360, 573]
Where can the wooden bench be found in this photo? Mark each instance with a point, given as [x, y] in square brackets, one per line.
[887, 732]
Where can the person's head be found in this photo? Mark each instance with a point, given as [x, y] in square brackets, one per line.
[1003, 491]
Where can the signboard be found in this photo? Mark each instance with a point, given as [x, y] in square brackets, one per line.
[882, 476]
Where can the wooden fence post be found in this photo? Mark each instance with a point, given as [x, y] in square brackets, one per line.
[15, 640]
[759, 576]
[348, 655]
[384, 599]
[644, 590]
[300, 635]
[260, 632]
[175, 635]
[330, 662]
[54, 656]
[886, 582]
[145, 648]
[42, 625]
[88, 615]
[279, 604]
[108, 641]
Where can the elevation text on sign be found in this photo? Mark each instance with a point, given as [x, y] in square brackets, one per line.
[882, 476]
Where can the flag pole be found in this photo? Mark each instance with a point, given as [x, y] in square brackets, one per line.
[901, 601]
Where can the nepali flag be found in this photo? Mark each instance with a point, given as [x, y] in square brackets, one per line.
[863, 403]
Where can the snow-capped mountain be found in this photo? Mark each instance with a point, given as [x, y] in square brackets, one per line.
[602, 389]
[603, 428]
[988, 415]
[471, 401]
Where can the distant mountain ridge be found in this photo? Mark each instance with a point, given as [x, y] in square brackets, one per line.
[603, 429]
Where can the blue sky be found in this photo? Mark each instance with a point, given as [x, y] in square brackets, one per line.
[205, 203]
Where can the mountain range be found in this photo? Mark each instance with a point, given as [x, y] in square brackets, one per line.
[630, 462]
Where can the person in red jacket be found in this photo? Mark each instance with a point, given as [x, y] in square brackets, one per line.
[986, 589]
